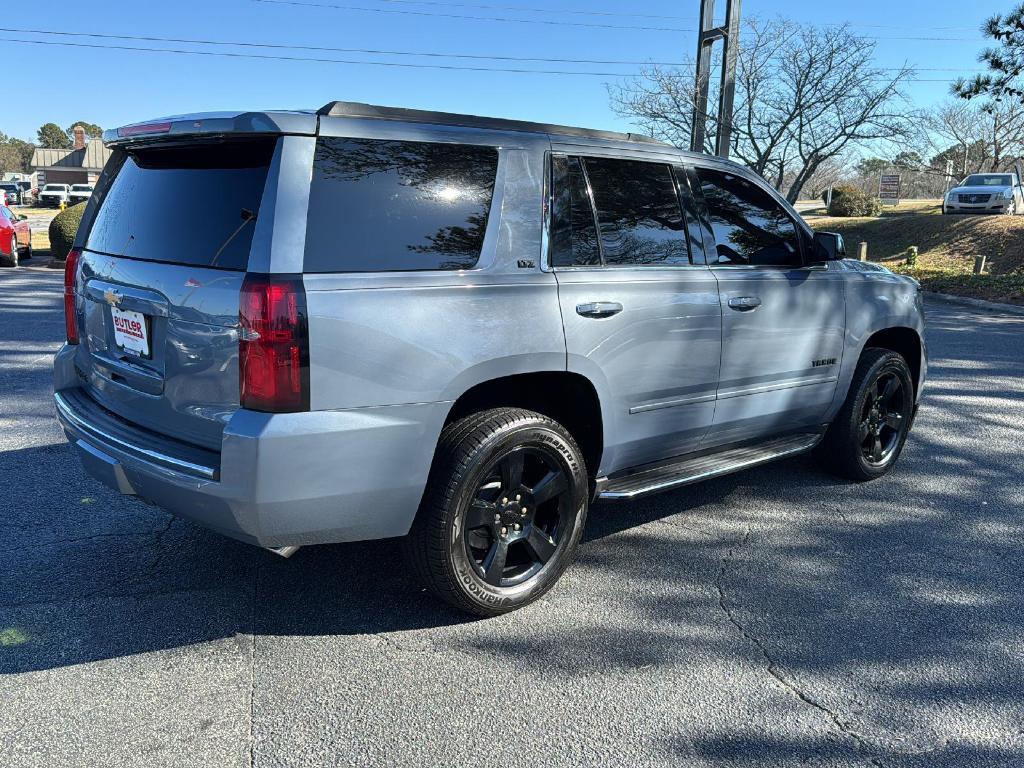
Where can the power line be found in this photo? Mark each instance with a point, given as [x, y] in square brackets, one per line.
[523, 9]
[375, 51]
[550, 22]
[508, 19]
[386, 52]
[634, 15]
[320, 60]
[317, 60]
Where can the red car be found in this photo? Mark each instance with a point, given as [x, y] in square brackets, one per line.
[15, 237]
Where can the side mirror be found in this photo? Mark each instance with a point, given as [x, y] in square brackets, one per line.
[830, 246]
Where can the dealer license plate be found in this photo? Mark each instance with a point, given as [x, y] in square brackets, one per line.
[130, 331]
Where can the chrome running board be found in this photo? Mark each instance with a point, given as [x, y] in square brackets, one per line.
[679, 472]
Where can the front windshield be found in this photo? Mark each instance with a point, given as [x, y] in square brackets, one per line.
[988, 180]
[53, 188]
[81, 188]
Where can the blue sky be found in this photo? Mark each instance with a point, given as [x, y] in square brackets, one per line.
[113, 87]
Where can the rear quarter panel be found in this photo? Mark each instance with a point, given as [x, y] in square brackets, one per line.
[391, 338]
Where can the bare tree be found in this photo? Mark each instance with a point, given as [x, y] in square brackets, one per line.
[804, 95]
[986, 136]
[1004, 132]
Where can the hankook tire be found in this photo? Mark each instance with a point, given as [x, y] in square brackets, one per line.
[503, 511]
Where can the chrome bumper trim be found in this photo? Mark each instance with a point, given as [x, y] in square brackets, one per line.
[65, 412]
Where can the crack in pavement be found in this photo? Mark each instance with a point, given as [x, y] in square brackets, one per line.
[133, 578]
[56, 542]
[860, 743]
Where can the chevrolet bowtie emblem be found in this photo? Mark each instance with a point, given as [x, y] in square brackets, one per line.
[112, 297]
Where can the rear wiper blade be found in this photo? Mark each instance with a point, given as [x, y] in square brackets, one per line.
[247, 216]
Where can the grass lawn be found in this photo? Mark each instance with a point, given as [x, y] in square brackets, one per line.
[947, 246]
[39, 219]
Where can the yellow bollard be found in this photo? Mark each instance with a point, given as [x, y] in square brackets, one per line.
[63, 205]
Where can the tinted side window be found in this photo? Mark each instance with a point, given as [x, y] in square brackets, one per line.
[638, 212]
[750, 226]
[377, 206]
[573, 231]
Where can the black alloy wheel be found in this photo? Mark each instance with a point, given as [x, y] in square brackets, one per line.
[518, 516]
[502, 513]
[867, 435]
[882, 421]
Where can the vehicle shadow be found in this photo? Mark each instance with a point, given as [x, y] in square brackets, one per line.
[92, 575]
[827, 587]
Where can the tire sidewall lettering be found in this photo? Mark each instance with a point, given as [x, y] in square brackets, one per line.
[468, 579]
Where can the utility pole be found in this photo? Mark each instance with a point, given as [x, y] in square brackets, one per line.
[709, 34]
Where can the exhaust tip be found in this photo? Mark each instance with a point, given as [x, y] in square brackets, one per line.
[285, 552]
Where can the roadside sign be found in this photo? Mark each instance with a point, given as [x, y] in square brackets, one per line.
[889, 189]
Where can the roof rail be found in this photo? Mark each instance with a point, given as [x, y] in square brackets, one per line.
[358, 109]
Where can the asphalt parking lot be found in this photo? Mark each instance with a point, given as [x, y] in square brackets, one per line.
[776, 617]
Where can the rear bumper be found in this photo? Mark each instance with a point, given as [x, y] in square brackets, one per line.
[279, 479]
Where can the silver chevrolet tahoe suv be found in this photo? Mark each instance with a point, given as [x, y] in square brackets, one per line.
[308, 327]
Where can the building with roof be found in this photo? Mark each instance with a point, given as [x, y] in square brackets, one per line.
[79, 165]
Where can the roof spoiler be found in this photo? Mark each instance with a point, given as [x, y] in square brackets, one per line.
[213, 124]
[358, 109]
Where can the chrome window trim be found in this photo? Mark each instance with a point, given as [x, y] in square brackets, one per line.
[626, 267]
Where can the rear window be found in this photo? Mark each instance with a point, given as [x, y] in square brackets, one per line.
[193, 204]
[379, 206]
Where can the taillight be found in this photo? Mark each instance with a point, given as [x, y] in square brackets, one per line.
[70, 275]
[273, 348]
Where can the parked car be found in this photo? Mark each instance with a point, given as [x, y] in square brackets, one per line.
[53, 195]
[10, 193]
[79, 193]
[460, 331]
[986, 193]
[15, 237]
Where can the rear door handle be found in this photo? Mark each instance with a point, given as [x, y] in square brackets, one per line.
[744, 303]
[598, 309]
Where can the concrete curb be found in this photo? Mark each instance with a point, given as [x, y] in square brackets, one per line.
[55, 264]
[965, 301]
